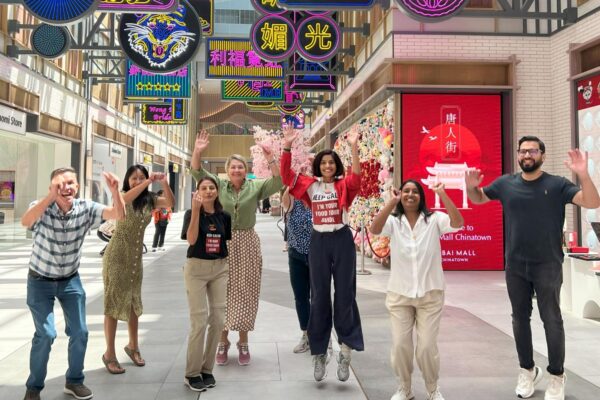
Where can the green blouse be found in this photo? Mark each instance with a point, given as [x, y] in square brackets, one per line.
[242, 205]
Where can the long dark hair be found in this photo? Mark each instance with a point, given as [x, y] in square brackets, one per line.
[218, 205]
[146, 197]
[399, 210]
[316, 165]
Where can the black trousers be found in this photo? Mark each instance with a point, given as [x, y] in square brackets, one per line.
[300, 280]
[333, 255]
[159, 235]
[520, 291]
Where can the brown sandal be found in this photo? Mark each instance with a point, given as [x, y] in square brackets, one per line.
[135, 356]
[112, 365]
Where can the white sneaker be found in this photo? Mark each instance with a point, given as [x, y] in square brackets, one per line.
[320, 362]
[526, 382]
[343, 369]
[556, 388]
[435, 395]
[303, 346]
[403, 394]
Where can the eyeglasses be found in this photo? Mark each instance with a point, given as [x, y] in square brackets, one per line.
[532, 152]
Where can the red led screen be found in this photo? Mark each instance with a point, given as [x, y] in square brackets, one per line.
[442, 135]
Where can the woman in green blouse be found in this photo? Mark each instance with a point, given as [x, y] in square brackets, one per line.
[239, 197]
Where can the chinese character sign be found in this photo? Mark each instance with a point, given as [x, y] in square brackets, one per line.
[318, 38]
[206, 12]
[273, 38]
[235, 59]
[432, 11]
[161, 42]
[266, 7]
[157, 6]
[172, 113]
[141, 83]
[252, 90]
[443, 135]
[325, 4]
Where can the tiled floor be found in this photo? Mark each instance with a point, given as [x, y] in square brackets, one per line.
[476, 346]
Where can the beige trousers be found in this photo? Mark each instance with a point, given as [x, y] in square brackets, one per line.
[424, 314]
[206, 287]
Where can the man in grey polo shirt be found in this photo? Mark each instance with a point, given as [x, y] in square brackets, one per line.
[59, 223]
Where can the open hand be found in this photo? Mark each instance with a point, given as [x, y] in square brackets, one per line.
[353, 136]
[266, 149]
[577, 162]
[473, 178]
[201, 141]
[289, 136]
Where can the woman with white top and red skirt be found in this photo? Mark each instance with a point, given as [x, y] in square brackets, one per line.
[331, 252]
[415, 293]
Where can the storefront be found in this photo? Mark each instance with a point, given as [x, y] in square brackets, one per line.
[25, 165]
[111, 157]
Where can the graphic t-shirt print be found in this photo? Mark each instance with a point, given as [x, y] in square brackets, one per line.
[325, 208]
[213, 240]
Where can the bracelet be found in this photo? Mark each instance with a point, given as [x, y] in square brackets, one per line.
[288, 149]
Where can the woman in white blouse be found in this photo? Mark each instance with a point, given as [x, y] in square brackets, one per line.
[415, 294]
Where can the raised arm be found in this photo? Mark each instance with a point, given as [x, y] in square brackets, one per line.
[473, 179]
[134, 192]
[456, 218]
[270, 157]
[588, 195]
[117, 211]
[383, 214]
[167, 200]
[192, 231]
[353, 137]
[200, 145]
[289, 136]
[34, 213]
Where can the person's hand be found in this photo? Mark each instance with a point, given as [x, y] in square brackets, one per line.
[157, 176]
[473, 178]
[266, 149]
[197, 201]
[577, 162]
[112, 181]
[353, 136]
[54, 189]
[438, 188]
[396, 195]
[289, 136]
[201, 141]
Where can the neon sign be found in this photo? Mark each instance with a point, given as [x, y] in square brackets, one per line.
[60, 12]
[310, 82]
[235, 59]
[252, 90]
[318, 38]
[273, 38]
[141, 83]
[138, 5]
[432, 10]
[172, 113]
[325, 4]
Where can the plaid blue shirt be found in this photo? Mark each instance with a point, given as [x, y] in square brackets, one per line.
[58, 238]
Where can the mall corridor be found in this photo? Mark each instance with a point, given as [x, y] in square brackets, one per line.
[477, 350]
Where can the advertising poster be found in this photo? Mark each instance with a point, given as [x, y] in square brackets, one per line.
[588, 116]
[442, 136]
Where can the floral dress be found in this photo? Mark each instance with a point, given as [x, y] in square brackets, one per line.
[122, 265]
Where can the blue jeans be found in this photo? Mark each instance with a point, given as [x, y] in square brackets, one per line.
[40, 299]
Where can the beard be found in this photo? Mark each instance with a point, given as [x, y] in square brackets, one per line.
[530, 167]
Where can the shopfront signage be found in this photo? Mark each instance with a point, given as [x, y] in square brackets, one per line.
[128, 6]
[206, 11]
[325, 4]
[142, 83]
[60, 12]
[172, 113]
[116, 150]
[235, 59]
[443, 135]
[432, 11]
[175, 168]
[318, 38]
[309, 82]
[273, 38]
[161, 42]
[12, 120]
[252, 90]
[147, 159]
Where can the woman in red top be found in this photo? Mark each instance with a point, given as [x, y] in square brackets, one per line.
[331, 253]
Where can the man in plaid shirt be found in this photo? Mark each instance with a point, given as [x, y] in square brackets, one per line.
[59, 223]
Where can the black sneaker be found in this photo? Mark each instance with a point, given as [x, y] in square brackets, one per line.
[195, 383]
[209, 380]
[32, 395]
